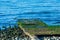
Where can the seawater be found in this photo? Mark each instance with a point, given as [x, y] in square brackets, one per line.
[47, 10]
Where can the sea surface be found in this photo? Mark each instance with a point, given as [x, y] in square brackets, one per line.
[47, 10]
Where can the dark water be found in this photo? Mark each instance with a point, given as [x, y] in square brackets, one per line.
[47, 11]
[48, 37]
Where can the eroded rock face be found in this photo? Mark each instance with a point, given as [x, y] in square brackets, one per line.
[13, 34]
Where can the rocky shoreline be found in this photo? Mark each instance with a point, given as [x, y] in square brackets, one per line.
[13, 34]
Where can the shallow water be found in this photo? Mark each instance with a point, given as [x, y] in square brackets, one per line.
[47, 11]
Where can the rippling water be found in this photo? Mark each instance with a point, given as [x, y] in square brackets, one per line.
[11, 10]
